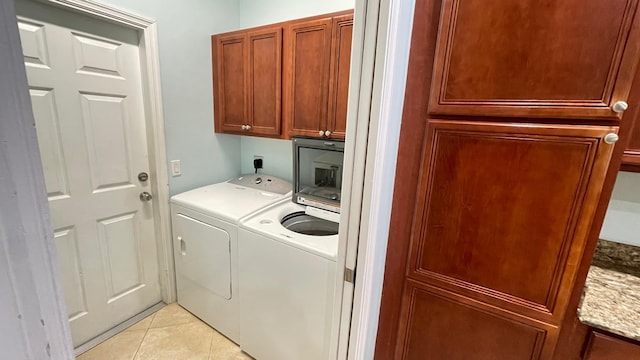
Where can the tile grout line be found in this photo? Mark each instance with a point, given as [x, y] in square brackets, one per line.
[176, 324]
[145, 336]
[211, 346]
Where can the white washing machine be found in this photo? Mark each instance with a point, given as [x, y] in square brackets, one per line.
[288, 264]
[287, 282]
[205, 243]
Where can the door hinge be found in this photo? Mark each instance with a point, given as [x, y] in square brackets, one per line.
[350, 275]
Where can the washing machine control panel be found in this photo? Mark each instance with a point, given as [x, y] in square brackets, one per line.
[263, 182]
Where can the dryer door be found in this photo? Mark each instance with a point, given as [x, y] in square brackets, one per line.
[203, 255]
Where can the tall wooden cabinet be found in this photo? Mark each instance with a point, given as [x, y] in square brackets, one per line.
[507, 138]
[248, 81]
[631, 157]
[316, 83]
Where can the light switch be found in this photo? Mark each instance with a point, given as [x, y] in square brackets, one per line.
[175, 168]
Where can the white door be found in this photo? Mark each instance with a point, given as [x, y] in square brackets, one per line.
[86, 92]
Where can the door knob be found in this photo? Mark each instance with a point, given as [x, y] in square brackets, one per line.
[620, 106]
[145, 196]
[143, 176]
[611, 138]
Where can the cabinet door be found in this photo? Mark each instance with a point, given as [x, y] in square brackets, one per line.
[265, 81]
[306, 71]
[604, 347]
[342, 32]
[566, 59]
[441, 328]
[502, 218]
[229, 81]
[631, 158]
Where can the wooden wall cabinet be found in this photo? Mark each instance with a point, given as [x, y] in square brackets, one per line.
[229, 81]
[495, 59]
[250, 67]
[316, 76]
[247, 78]
[605, 347]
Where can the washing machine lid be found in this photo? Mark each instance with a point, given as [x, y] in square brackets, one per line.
[235, 198]
[268, 222]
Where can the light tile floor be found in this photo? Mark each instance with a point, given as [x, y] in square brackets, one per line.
[172, 333]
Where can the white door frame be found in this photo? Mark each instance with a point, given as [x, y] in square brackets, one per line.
[152, 94]
[382, 39]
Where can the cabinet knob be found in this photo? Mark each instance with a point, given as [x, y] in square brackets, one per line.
[620, 106]
[611, 138]
[327, 133]
[244, 127]
[248, 127]
[321, 133]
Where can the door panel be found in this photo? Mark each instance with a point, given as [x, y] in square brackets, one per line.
[342, 29]
[32, 37]
[85, 84]
[471, 333]
[95, 56]
[71, 272]
[230, 105]
[104, 121]
[505, 58]
[265, 81]
[501, 205]
[120, 247]
[307, 60]
[48, 130]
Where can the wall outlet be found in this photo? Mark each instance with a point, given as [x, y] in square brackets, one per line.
[257, 162]
[175, 168]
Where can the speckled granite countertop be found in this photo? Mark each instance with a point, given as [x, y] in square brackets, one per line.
[611, 299]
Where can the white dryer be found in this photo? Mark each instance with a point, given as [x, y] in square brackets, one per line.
[205, 242]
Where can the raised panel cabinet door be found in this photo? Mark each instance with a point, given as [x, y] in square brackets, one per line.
[306, 71]
[631, 157]
[229, 81]
[566, 59]
[437, 326]
[265, 81]
[342, 33]
[504, 211]
[604, 347]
